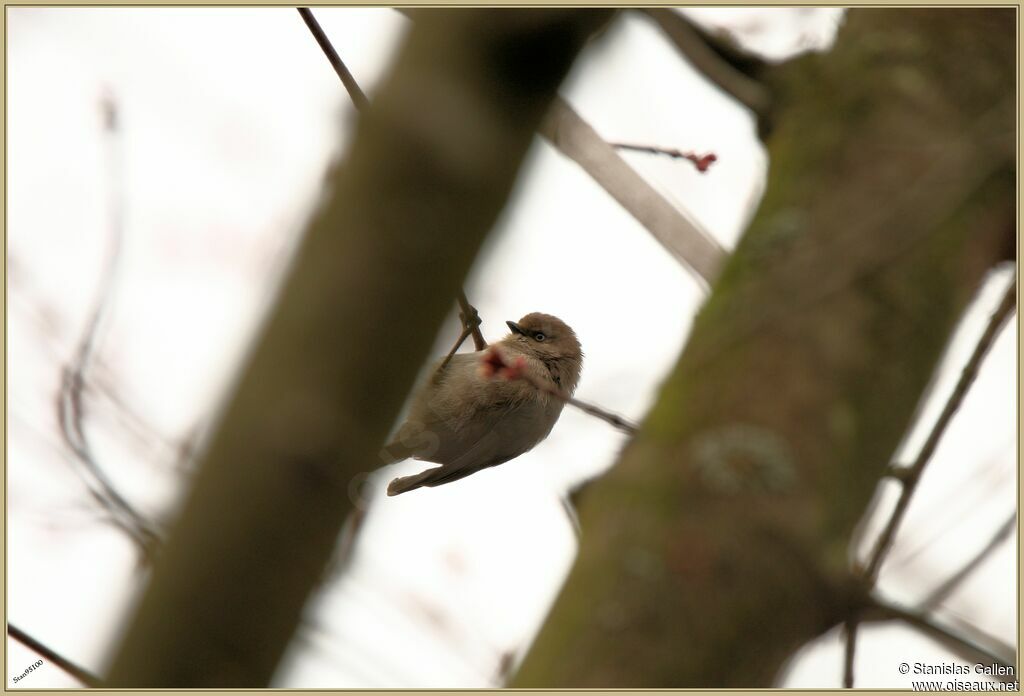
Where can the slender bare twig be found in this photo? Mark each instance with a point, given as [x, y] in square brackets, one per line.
[471, 318]
[970, 650]
[357, 95]
[496, 364]
[82, 675]
[956, 579]
[616, 421]
[466, 332]
[683, 238]
[693, 45]
[909, 476]
[70, 402]
[100, 382]
[688, 243]
[913, 475]
[701, 162]
[468, 314]
[849, 649]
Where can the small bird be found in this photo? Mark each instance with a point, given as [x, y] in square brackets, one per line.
[476, 413]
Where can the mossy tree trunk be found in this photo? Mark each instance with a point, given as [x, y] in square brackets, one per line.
[719, 543]
[431, 166]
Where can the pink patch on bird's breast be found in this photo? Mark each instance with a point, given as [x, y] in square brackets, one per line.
[493, 364]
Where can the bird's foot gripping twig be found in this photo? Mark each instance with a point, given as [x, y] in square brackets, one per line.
[470, 319]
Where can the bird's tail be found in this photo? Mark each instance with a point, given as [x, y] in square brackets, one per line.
[404, 484]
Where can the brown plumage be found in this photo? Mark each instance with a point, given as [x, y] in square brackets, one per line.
[466, 419]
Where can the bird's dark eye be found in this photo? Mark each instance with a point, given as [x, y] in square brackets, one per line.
[539, 336]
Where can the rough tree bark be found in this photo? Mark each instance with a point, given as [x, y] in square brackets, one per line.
[379, 266]
[719, 543]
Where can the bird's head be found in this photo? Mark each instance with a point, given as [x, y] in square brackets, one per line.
[550, 339]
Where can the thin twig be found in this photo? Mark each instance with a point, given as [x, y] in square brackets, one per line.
[458, 343]
[686, 240]
[956, 579]
[968, 649]
[702, 162]
[694, 46]
[82, 675]
[611, 419]
[358, 97]
[913, 475]
[497, 363]
[469, 316]
[70, 402]
[849, 649]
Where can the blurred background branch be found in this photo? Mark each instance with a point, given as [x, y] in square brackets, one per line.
[971, 651]
[912, 476]
[71, 406]
[468, 312]
[681, 237]
[731, 532]
[405, 214]
[85, 676]
[700, 50]
[957, 579]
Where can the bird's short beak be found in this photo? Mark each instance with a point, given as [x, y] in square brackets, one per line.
[516, 328]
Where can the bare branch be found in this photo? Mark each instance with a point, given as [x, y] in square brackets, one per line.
[701, 162]
[496, 365]
[912, 476]
[692, 44]
[468, 314]
[683, 238]
[470, 327]
[270, 495]
[954, 581]
[969, 650]
[358, 97]
[849, 649]
[82, 675]
[70, 402]
[471, 318]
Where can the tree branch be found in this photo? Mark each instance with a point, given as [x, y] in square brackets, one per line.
[770, 433]
[468, 314]
[850, 627]
[401, 222]
[967, 649]
[912, 475]
[357, 95]
[70, 401]
[471, 318]
[701, 162]
[695, 47]
[681, 237]
[496, 364]
[956, 579]
[79, 673]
